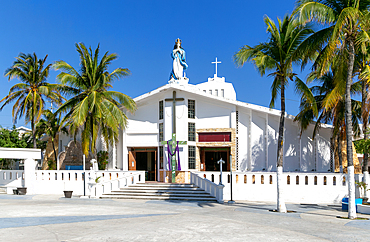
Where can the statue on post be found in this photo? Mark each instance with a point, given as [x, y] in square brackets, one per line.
[179, 62]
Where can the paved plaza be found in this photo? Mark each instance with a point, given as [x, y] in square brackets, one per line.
[54, 218]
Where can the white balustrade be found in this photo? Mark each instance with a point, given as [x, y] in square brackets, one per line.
[121, 180]
[11, 179]
[261, 186]
[212, 188]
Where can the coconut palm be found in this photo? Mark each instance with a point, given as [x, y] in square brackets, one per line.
[278, 56]
[93, 109]
[342, 26]
[50, 125]
[333, 114]
[30, 95]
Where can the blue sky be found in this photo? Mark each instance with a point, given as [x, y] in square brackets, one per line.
[143, 33]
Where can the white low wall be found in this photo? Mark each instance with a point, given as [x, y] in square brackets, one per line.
[298, 188]
[11, 179]
[55, 182]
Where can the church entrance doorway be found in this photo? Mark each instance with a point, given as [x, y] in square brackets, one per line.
[210, 155]
[144, 159]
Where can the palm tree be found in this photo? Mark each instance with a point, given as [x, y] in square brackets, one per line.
[94, 110]
[30, 95]
[51, 126]
[278, 56]
[342, 26]
[326, 90]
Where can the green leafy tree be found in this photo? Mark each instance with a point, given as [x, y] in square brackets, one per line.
[342, 20]
[30, 95]
[277, 56]
[50, 125]
[12, 139]
[102, 159]
[94, 109]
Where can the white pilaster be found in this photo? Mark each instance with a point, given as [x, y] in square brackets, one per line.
[300, 149]
[266, 141]
[249, 166]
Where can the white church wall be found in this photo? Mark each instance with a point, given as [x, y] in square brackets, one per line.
[323, 157]
[213, 115]
[144, 119]
[273, 134]
[258, 142]
[243, 139]
[218, 88]
[307, 149]
[142, 140]
[291, 146]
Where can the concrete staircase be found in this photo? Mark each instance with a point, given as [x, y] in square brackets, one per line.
[161, 191]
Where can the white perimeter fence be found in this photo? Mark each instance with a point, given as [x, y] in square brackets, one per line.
[298, 187]
[55, 182]
[250, 186]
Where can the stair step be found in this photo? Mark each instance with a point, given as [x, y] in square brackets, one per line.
[159, 198]
[164, 185]
[158, 191]
[161, 191]
[159, 194]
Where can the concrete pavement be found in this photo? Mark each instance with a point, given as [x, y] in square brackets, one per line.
[53, 218]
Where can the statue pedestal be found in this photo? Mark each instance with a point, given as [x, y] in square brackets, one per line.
[181, 81]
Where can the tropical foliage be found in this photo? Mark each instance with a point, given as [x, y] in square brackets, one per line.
[30, 95]
[343, 30]
[93, 109]
[50, 125]
[278, 56]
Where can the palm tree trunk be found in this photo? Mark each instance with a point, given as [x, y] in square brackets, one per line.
[348, 112]
[33, 131]
[340, 153]
[365, 119]
[279, 171]
[55, 153]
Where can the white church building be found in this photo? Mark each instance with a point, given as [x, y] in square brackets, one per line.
[214, 125]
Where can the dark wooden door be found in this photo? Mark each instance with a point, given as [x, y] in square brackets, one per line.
[202, 160]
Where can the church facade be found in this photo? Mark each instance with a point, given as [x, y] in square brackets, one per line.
[215, 126]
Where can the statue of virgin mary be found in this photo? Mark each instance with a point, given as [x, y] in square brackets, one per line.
[179, 61]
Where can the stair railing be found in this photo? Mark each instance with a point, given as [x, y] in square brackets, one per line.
[106, 186]
[212, 188]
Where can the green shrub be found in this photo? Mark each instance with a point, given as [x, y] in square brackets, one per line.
[102, 159]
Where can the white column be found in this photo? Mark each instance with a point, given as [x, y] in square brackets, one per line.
[114, 154]
[365, 179]
[30, 175]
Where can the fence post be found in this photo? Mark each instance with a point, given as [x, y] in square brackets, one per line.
[220, 193]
